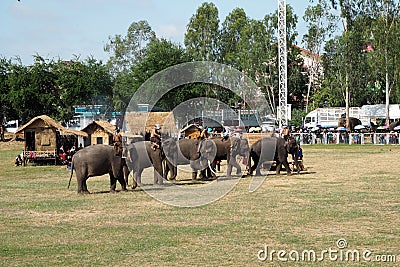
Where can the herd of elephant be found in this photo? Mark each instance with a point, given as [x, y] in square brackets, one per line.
[202, 155]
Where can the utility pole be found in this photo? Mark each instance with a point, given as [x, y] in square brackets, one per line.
[282, 111]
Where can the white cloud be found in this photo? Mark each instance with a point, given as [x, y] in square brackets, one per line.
[171, 32]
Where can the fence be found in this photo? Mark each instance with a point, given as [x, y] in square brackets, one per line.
[348, 138]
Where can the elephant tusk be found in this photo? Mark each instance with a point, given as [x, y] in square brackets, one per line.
[209, 166]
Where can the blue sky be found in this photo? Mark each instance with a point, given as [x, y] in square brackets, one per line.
[64, 28]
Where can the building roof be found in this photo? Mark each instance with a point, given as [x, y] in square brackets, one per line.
[190, 126]
[105, 125]
[51, 123]
[141, 122]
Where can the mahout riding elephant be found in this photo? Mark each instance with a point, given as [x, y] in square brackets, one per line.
[98, 160]
[141, 155]
[228, 149]
[353, 122]
[198, 153]
[272, 148]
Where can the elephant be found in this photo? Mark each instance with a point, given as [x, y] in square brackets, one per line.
[394, 125]
[140, 155]
[353, 122]
[272, 148]
[98, 160]
[228, 149]
[198, 153]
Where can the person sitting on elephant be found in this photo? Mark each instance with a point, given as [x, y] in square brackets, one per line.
[226, 133]
[117, 139]
[155, 137]
[204, 133]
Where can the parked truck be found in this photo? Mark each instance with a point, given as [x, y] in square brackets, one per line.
[329, 117]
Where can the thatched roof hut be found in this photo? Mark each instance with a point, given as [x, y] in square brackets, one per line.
[191, 131]
[143, 122]
[99, 132]
[43, 134]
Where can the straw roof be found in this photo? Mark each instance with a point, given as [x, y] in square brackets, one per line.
[141, 122]
[105, 125]
[49, 122]
[190, 126]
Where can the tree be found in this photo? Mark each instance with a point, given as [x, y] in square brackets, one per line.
[348, 11]
[159, 55]
[385, 42]
[6, 110]
[268, 70]
[202, 33]
[232, 34]
[126, 51]
[82, 83]
[321, 25]
[32, 89]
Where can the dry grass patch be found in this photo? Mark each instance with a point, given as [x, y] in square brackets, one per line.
[349, 192]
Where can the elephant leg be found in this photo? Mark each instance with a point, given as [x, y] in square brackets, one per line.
[81, 178]
[287, 167]
[158, 174]
[126, 175]
[234, 163]
[256, 161]
[122, 182]
[113, 182]
[194, 175]
[134, 184]
[257, 166]
[138, 177]
[84, 186]
[80, 182]
[202, 174]
[278, 167]
[158, 179]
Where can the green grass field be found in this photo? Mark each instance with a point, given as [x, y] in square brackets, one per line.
[347, 192]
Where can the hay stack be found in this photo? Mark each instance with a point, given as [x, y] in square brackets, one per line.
[142, 122]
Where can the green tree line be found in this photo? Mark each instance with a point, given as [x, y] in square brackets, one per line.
[359, 64]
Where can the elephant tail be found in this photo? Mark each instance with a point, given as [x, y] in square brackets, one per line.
[72, 171]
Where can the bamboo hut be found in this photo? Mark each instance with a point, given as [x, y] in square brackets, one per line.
[99, 132]
[44, 137]
[191, 131]
[141, 123]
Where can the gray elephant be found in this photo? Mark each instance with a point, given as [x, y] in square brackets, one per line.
[198, 153]
[394, 125]
[272, 148]
[353, 122]
[98, 160]
[141, 155]
[228, 149]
